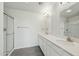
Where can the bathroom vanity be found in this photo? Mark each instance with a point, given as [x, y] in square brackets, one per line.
[65, 25]
[54, 46]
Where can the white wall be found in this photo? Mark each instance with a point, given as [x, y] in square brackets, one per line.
[30, 21]
[1, 28]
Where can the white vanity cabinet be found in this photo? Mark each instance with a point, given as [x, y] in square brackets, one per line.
[42, 44]
[51, 49]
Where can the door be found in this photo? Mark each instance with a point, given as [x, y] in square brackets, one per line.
[8, 34]
[5, 34]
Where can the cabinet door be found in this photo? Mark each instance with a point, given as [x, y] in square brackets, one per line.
[42, 44]
[44, 47]
[51, 51]
[60, 51]
[39, 41]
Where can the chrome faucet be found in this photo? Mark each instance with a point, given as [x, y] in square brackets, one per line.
[69, 39]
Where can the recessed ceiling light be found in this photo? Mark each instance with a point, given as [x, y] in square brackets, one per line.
[68, 11]
[27, 2]
[40, 3]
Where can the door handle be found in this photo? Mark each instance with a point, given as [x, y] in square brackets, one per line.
[5, 29]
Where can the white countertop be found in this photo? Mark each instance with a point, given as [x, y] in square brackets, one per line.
[71, 47]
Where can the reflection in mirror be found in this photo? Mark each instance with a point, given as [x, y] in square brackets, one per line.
[74, 26]
[71, 22]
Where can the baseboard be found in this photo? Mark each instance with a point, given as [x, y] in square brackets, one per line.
[11, 52]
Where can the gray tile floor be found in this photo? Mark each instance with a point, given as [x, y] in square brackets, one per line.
[32, 51]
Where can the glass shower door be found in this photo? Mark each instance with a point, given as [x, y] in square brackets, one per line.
[9, 34]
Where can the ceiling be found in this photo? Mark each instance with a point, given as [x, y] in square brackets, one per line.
[74, 11]
[28, 6]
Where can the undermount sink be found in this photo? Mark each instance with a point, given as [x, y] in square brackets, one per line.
[68, 43]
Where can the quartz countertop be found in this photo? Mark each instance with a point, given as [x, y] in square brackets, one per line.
[71, 47]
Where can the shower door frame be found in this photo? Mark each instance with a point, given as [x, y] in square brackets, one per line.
[12, 18]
